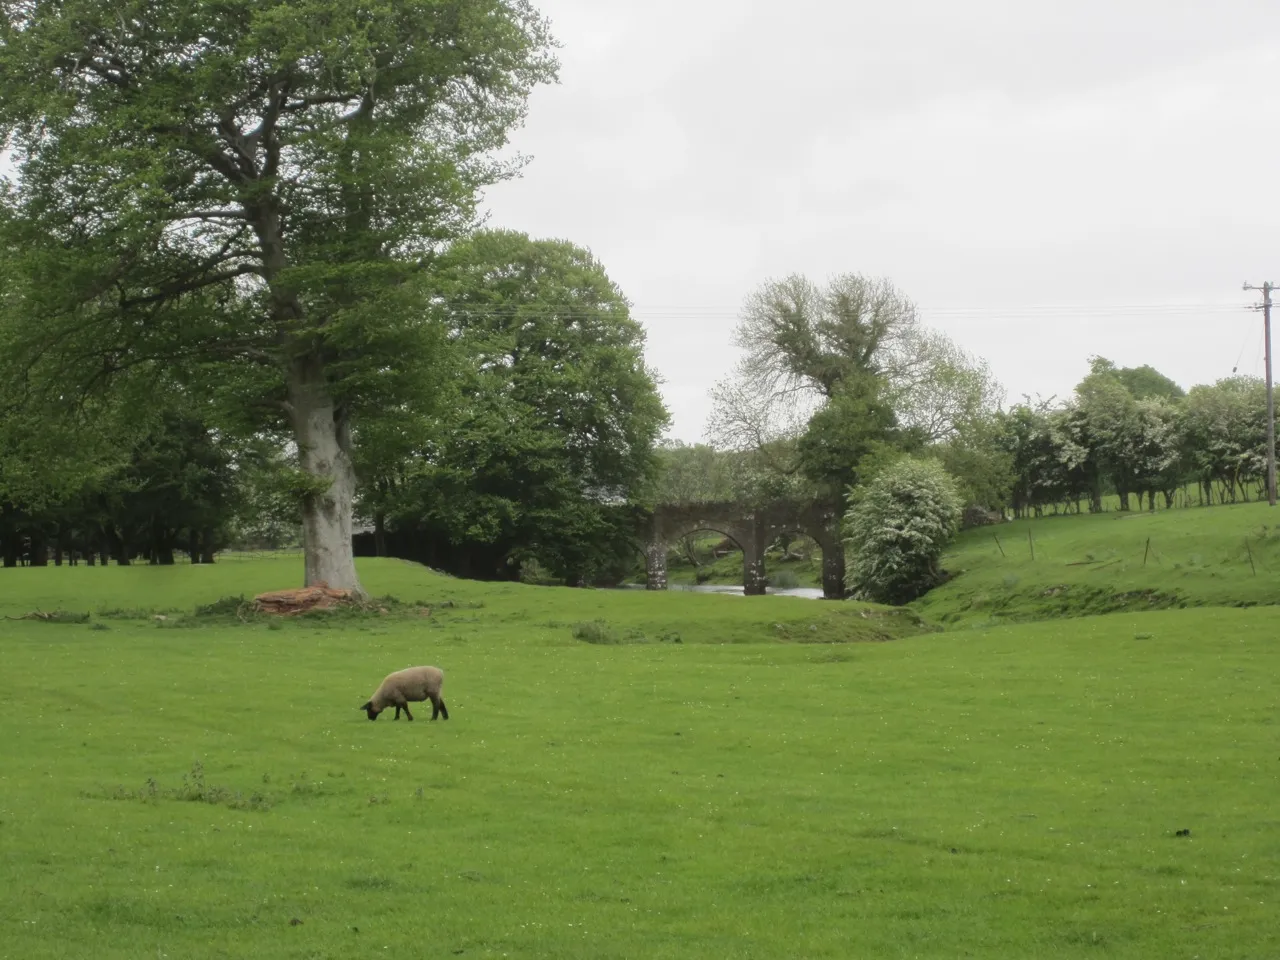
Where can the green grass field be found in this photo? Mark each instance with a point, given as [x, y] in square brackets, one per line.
[1217, 556]
[203, 788]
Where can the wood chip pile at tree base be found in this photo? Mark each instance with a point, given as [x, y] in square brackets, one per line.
[288, 603]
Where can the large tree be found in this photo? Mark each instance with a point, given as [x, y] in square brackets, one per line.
[243, 196]
[804, 344]
[549, 435]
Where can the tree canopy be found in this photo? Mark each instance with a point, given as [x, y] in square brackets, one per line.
[243, 199]
[548, 439]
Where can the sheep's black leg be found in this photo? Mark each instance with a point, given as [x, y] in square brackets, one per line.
[407, 713]
[397, 716]
[438, 708]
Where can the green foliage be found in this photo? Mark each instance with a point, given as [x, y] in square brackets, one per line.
[697, 473]
[269, 503]
[241, 200]
[1225, 430]
[896, 530]
[937, 389]
[548, 447]
[837, 380]
[853, 433]
[1142, 383]
[599, 632]
[164, 483]
[982, 468]
[1132, 431]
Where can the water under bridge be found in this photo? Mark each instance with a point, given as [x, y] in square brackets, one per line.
[752, 528]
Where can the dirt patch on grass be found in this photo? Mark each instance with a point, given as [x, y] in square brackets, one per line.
[290, 603]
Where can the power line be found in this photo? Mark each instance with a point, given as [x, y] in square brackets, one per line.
[572, 310]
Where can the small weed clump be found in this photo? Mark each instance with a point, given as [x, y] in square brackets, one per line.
[194, 789]
[600, 632]
[53, 616]
[784, 580]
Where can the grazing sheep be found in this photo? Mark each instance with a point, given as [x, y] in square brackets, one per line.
[403, 687]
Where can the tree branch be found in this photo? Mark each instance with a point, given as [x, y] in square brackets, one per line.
[306, 103]
[188, 286]
[213, 215]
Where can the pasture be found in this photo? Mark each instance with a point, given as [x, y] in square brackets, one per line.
[1089, 564]
[204, 787]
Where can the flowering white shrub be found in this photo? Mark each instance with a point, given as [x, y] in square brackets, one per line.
[896, 530]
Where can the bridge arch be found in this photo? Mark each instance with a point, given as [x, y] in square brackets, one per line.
[753, 528]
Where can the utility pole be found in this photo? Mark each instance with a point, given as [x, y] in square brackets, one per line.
[1266, 289]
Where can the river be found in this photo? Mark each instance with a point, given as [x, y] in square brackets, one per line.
[808, 593]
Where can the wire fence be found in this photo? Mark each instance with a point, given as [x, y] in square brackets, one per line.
[284, 553]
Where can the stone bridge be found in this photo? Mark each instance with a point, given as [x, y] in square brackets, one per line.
[752, 529]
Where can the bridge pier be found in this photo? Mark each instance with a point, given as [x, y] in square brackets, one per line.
[832, 570]
[754, 579]
[655, 565]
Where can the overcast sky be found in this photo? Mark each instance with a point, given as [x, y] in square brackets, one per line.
[1047, 180]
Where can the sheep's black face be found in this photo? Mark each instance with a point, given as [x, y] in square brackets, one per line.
[371, 713]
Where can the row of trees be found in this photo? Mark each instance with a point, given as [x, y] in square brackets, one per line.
[540, 446]
[537, 447]
[1134, 432]
[243, 281]
[147, 489]
[837, 382]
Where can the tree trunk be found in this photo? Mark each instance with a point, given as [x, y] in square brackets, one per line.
[164, 553]
[206, 546]
[320, 428]
[324, 450]
[161, 544]
[123, 551]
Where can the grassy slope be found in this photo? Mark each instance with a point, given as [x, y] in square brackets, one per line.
[1094, 564]
[542, 615]
[995, 793]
